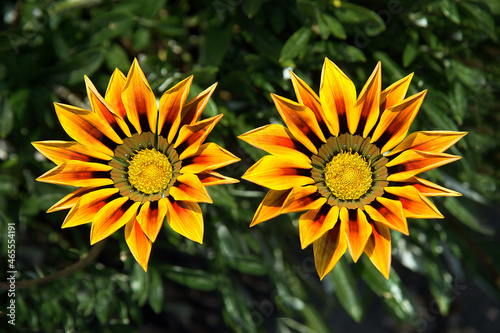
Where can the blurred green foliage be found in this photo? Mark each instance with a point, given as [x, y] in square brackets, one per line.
[241, 279]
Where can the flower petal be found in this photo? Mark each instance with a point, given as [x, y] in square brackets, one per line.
[139, 100]
[301, 122]
[365, 114]
[303, 198]
[185, 218]
[315, 223]
[69, 201]
[77, 173]
[87, 128]
[188, 187]
[151, 217]
[428, 141]
[414, 204]
[277, 140]
[329, 248]
[358, 231]
[395, 93]
[429, 189]
[114, 93]
[338, 96]
[378, 248]
[388, 212]
[209, 178]
[270, 206]
[171, 103]
[279, 173]
[395, 122]
[210, 156]
[412, 162]
[112, 217]
[64, 151]
[138, 243]
[193, 109]
[192, 136]
[86, 208]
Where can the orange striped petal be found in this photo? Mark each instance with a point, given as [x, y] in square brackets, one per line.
[395, 122]
[139, 100]
[112, 217]
[414, 203]
[428, 141]
[185, 218]
[275, 139]
[279, 173]
[77, 173]
[329, 248]
[358, 231]
[366, 111]
[188, 187]
[69, 201]
[171, 104]
[151, 217]
[429, 189]
[307, 97]
[210, 156]
[315, 223]
[209, 178]
[138, 243]
[338, 96]
[114, 93]
[303, 198]
[378, 248]
[87, 128]
[64, 151]
[412, 162]
[192, 110]
[89, 204]
[270, 206]
[388, 212]
[301, 122]
[192, 136]
[395, 93]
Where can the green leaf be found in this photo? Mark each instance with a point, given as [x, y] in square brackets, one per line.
[116, 57]
[351, 53]
[251, 7]
[156, 294]
[335, 26]
[139, 283]
[6, 118]
[440, 284]
[458, 101]
[191, 278]
[356, 15]
[296, 44]
[457, 209]
[450, 10]
[346, 291]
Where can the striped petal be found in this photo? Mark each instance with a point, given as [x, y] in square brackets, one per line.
[338, 96]
[279, 173]
[138, 243]
[209, 178]
[151, 217]
[412, 162]
[388, 212]
[414, 203]
[429, 189]
[188, 187]
[301, 122]
[378, 248]
[192, 136]
[303, 198]
[112, 217]
[69, 201]
[185, 218]
[192, 110]
[60, 152]
[357, 229]
[315, 223]
[86, 208]
[428, 141]
[210, 156]
[270, 206]
[114, 93]
[395, 122]
[139, 100]
[77, 173]
[329, 248]
[395, 93]
[365, 114]
[171, 103]
[277, 140]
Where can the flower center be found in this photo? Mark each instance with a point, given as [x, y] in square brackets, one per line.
[150, 171]
[348, 176]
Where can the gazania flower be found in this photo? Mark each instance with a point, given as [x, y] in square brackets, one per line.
[345, 161]
[134, 164]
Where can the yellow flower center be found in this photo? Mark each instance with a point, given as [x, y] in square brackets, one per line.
[348, 176]
[150, 171]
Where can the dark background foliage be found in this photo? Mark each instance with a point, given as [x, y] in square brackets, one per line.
[445, 276]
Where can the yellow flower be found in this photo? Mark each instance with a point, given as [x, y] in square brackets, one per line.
[346, 161]
[135, 164]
